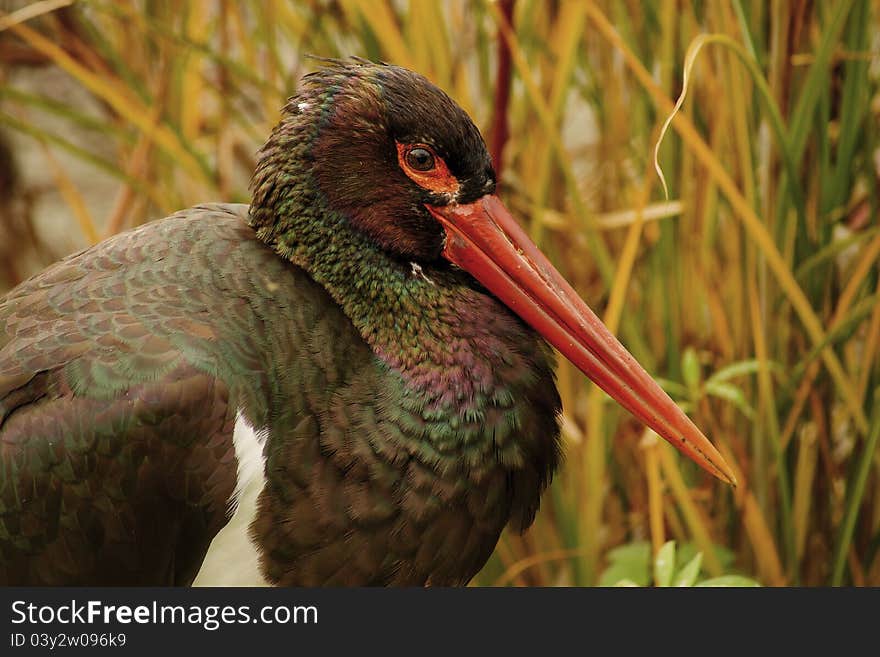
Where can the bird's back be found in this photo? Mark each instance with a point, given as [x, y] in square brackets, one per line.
[122, 370]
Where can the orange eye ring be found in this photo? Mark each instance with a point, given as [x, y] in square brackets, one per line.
[436, 178]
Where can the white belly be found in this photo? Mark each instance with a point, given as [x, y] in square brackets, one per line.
[232, 558]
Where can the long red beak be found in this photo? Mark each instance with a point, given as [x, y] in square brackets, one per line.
[486, 241]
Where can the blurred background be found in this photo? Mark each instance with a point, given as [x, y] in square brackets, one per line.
[751, 290]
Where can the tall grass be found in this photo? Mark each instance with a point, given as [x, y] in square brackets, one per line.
[751, 291]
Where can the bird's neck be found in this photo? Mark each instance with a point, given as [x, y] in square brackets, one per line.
[428, 322]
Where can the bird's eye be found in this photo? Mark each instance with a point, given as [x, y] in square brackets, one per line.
[420, 159]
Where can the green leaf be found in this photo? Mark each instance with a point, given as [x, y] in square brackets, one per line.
[664, 564]
[638, 573]
[673, 389]
[639, 551]
[734, 395]
[625, 583]
[628, 562]
[687, 576]
[741, 368]
[690, 369]
[729, 580]
[689, 550]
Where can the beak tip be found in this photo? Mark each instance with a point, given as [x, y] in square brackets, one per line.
[722, 469]
[731, 479]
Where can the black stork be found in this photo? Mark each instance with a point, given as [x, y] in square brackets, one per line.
[354, 365]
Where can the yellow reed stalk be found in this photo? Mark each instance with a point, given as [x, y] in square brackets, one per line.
[135, 167]
[440, 48]
[672, 519]
[380, 18]
[515, 570]
[805, 475]
[233, 12]
[692, 516]
[31, 11]
[767, 556]
[650, 445]
[755, 524]
[566, 39]
[720, 321]
[868, 260]
[417, 32]
[292, 21]
[872, 347]
[72, 197]
[191, 79]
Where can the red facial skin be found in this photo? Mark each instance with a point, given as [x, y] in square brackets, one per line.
[438, 180]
